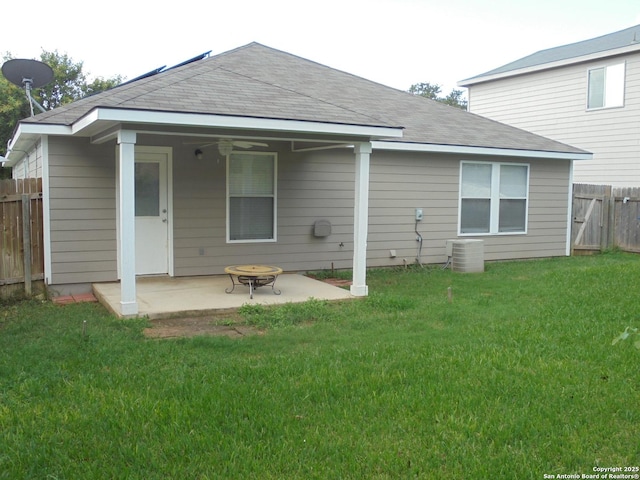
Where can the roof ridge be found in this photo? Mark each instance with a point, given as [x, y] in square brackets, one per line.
[353, 75]
[303, 94]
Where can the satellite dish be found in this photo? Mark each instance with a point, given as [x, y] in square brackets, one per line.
[28, 74]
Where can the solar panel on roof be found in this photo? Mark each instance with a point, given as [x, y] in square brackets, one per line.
[191, 60]
[145, 75]
[164, 68]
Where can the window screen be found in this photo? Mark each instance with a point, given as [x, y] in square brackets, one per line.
[251, 196]
[493, 198]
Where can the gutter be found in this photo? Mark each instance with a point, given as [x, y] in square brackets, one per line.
[471, 150]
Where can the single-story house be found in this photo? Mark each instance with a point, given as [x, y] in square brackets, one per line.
[257, 156]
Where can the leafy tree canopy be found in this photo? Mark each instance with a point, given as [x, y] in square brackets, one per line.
[69, 84]
[432, 90]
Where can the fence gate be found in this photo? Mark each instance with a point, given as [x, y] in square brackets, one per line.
[21, 234]
[590, 215]
[605, 217]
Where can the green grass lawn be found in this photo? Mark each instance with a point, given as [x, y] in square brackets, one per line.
[514, 378]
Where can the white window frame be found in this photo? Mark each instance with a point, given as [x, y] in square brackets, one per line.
[494, 218]
[613, 88]
[274, 195]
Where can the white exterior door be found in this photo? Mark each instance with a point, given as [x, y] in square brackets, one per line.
[152, 212]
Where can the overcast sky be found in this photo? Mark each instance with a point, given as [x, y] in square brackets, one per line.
[393, 42]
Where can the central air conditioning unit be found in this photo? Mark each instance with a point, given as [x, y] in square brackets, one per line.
[466, 255]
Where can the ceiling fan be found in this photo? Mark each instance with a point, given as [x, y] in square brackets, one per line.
[226, 145]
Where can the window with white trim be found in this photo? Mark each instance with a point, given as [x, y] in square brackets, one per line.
[251, 197]
[493, 198]
[606, 86]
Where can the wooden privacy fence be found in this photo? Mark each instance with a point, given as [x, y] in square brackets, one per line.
[605, 217]
[21, 234]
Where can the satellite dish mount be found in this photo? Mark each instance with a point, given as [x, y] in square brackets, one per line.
[28, 74]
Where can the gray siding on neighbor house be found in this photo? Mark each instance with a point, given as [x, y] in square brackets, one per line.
[311, 186]
[553, 103]
[82, 204]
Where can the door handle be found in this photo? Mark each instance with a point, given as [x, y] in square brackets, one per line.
[164, 220]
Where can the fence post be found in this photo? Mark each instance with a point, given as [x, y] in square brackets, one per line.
[611, 232]
[606, 237]
[26, 242]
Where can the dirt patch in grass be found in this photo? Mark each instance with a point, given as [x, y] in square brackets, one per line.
[196, 326]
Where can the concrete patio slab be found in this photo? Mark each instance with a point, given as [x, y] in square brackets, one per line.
[166, 297]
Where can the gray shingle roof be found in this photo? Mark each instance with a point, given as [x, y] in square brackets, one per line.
[612, 41]
[258, 81]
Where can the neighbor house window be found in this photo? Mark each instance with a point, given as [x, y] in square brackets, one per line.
[606, 87]
[251, 198]
[493, 198]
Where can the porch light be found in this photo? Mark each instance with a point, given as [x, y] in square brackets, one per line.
[198, 154]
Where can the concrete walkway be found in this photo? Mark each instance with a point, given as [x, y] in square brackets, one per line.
[166, 297]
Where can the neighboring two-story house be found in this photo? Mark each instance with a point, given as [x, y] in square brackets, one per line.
[585, 94]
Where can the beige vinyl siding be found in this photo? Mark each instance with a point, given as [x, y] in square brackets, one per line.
[319, 185]
[553, 103]
[402, 182]
[31, 165]
[82, 211]
[311, 186]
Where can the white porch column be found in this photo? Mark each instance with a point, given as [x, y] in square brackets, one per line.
[359, 286]
[127, 230]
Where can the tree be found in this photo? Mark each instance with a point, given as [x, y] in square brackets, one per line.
[426, 89]
[456, 99]
[68, 80]
[69, 84]
[433, 91]
[101, 84]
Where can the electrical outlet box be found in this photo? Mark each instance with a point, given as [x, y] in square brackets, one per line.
[418, 214]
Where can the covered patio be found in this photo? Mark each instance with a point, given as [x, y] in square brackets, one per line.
[166, 297]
